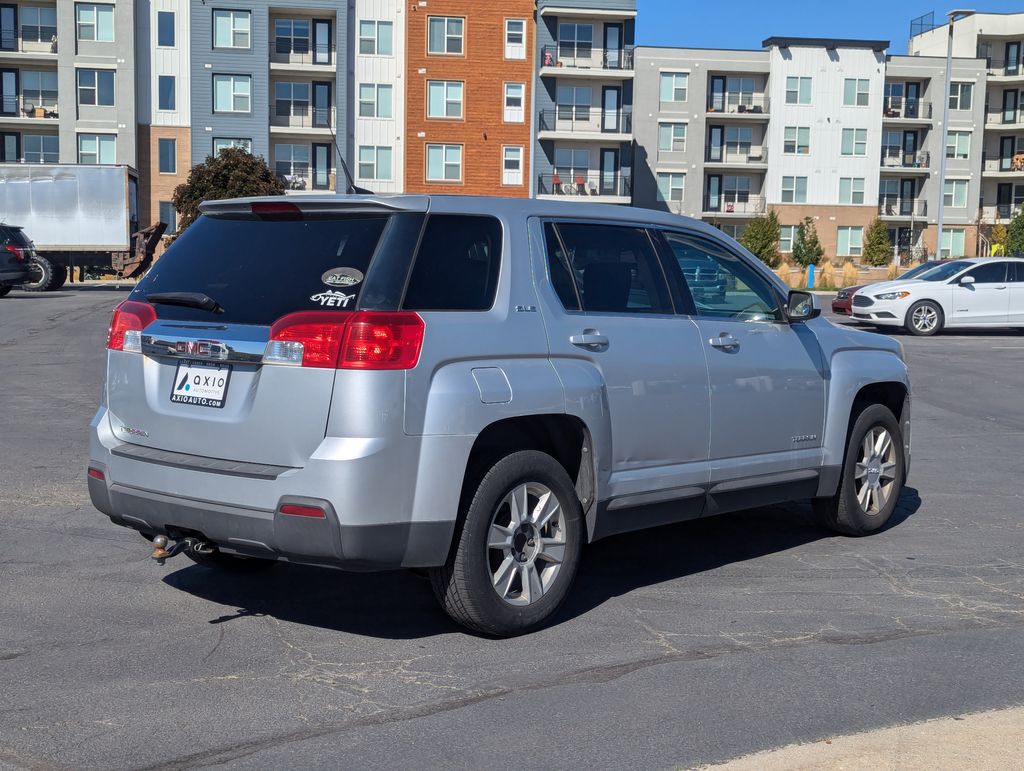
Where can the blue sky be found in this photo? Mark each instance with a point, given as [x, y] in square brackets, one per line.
[744, 24]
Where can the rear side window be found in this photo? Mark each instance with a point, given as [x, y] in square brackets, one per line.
[1017, 271]
[457, 264]
[261, 270]
[615, 269]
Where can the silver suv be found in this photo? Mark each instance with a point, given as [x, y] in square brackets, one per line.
[479, 387]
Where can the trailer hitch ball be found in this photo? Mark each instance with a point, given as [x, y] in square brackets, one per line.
[160, 548]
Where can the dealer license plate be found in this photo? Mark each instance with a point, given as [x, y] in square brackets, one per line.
[202, 383]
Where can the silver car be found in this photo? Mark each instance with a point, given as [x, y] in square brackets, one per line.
[479, 387]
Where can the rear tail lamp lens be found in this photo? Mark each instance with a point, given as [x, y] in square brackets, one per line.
[19, 253]
[363, 340]
[95, 473]
[126, 325]
[297, 510]
[306, 339]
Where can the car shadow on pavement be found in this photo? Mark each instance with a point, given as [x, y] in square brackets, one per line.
[400, 605]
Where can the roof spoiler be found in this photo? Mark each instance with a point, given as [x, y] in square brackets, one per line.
[335, 204]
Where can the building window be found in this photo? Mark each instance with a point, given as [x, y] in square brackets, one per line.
[374, 162]
[798, 90]
[169, 217]
[41, 148]
[165, 89]
[444, 35]
[573, 103]
[673, 86]
[95, 22]
[39, 89]
[376, 100]
[96, 87]
[672, 137]
[444, 99]
[291, 100]
[223, 143]
[738, 140]
[670, 186]
[849, 241]
[797, 140]
[515, 38]
[376, 38]
[735, 190]
[958, 145]
[952, 243]
[231, 29]
[787, 234]
[856, 92]
[96, 148]
[232, 93]
[291, 36]
[38, 25]
[291, 162]
[512, 166]
[954, 194]
[960, 96]
[575, 41]
[514, 100]
[168, 153]
[851, 190]
[573, 163]
[855, 141]
[165, 28]
[444, 163]
[794, 189]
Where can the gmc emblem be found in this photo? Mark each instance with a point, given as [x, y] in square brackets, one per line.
[204, 349]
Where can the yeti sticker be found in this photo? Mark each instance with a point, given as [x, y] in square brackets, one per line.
[333, 299]
[342, 277]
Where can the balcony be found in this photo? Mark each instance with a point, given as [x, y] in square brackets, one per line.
[744, 205]
[741, 155]
[897, 158]
[587, 60]
[998, 67]
[585, 123]
[743, 103]
[20, 108]
[296, 52]
[902, 207]
[301, 179]
[1000, 213]
[901, 108]
[1010, 164]
[30, 41]
[592, 185]
[996, 120]
[296, 115]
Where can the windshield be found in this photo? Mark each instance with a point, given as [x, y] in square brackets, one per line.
[922, 268]
[945, 270]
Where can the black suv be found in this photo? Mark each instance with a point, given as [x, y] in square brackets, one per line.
[15, 257]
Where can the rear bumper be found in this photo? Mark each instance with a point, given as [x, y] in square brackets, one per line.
[14, 275]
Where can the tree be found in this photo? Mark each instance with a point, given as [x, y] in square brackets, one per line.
[761, 238]
[1015, 236]
[807, 249]
[998, 239]
[877, 247]
[232, 173]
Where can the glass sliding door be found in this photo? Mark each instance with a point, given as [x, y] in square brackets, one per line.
[322, 167]
[321, 41]
[321, 105]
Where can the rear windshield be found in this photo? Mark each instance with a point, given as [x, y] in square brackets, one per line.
[261, 270]
[15, 236]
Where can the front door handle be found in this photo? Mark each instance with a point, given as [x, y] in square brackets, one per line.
[1000, 287]
[724, 341]
[591, 339]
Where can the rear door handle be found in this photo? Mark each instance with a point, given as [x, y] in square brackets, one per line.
[590, 339]
[725, 341]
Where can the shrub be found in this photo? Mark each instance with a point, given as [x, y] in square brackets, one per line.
[761, 238]
[1015, 236]
[877, 247]
[807, 249]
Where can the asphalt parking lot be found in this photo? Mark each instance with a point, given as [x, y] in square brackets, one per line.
[685, 645]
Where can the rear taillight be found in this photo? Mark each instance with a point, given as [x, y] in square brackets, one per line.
[362, 340]
[126, 325]
[20, 254]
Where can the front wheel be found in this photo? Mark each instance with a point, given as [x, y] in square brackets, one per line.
[516, 554]
[872, 476]
[924, 318]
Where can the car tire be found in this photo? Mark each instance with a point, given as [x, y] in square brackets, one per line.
[924, 318]
[60, 277]
[873, 473]
[229, 563]
[42, 277]
[5, 289]
[516, 549]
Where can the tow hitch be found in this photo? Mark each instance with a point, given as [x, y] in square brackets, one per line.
[164, 548]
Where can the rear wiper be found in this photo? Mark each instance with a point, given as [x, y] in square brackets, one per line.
[186, 300]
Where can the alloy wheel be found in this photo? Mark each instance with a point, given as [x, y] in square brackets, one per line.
[875, 473]
[925, 318]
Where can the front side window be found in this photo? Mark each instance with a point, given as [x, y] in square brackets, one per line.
[96, 87]
[850, 241]
[797, 140]
[851, 190]
[856, 92]
[165, 91]
[223, 143]
[515, 39]
[989, 273]
[674, 86]
[606, 269]
[958, 145]
[375, 162]
[515, 97]
[165, 29]
[96, 148]
[855, 141]
[168, 155]
[41, 148]
[444, 98]
[954, 194]
[231, 29]
[444, 163]
[232, 93]
[95, 22]
[671, 186]
[798, 90]
[444, 35]
[467, 250]
[671, 137]
[376, 100]
[960, 96]
[794, 189]
[376, 38]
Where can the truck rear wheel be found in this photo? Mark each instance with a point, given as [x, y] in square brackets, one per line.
[60, 277]
[43, 275]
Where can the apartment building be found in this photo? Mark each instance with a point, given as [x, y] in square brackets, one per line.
[584, 119]
[67, 82]
[830, 129]
[469, 97]
[996, 92]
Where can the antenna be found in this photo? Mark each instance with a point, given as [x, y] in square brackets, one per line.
[351, 188]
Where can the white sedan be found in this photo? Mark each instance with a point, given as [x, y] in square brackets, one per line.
[981, 292]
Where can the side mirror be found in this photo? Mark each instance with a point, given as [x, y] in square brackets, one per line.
[800, 307]
[966, 280]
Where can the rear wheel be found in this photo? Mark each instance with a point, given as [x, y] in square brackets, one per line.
[924, 318]
[516, 554]
[42, 275]
[60, 277]
[5, 289]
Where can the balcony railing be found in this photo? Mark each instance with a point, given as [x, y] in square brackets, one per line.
[587, 57]
[903, 207]
[903, 107]
[998, 118]
[299, 51]
[32, 40]
[736, 103]
[998, 66]
[590, 184]
[741, 204]
[1004, 163]
[896, 157]
[590, 120]
[298, 115]
[1002, 212]
[743, 154]
[298, 177]
[17, 106]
